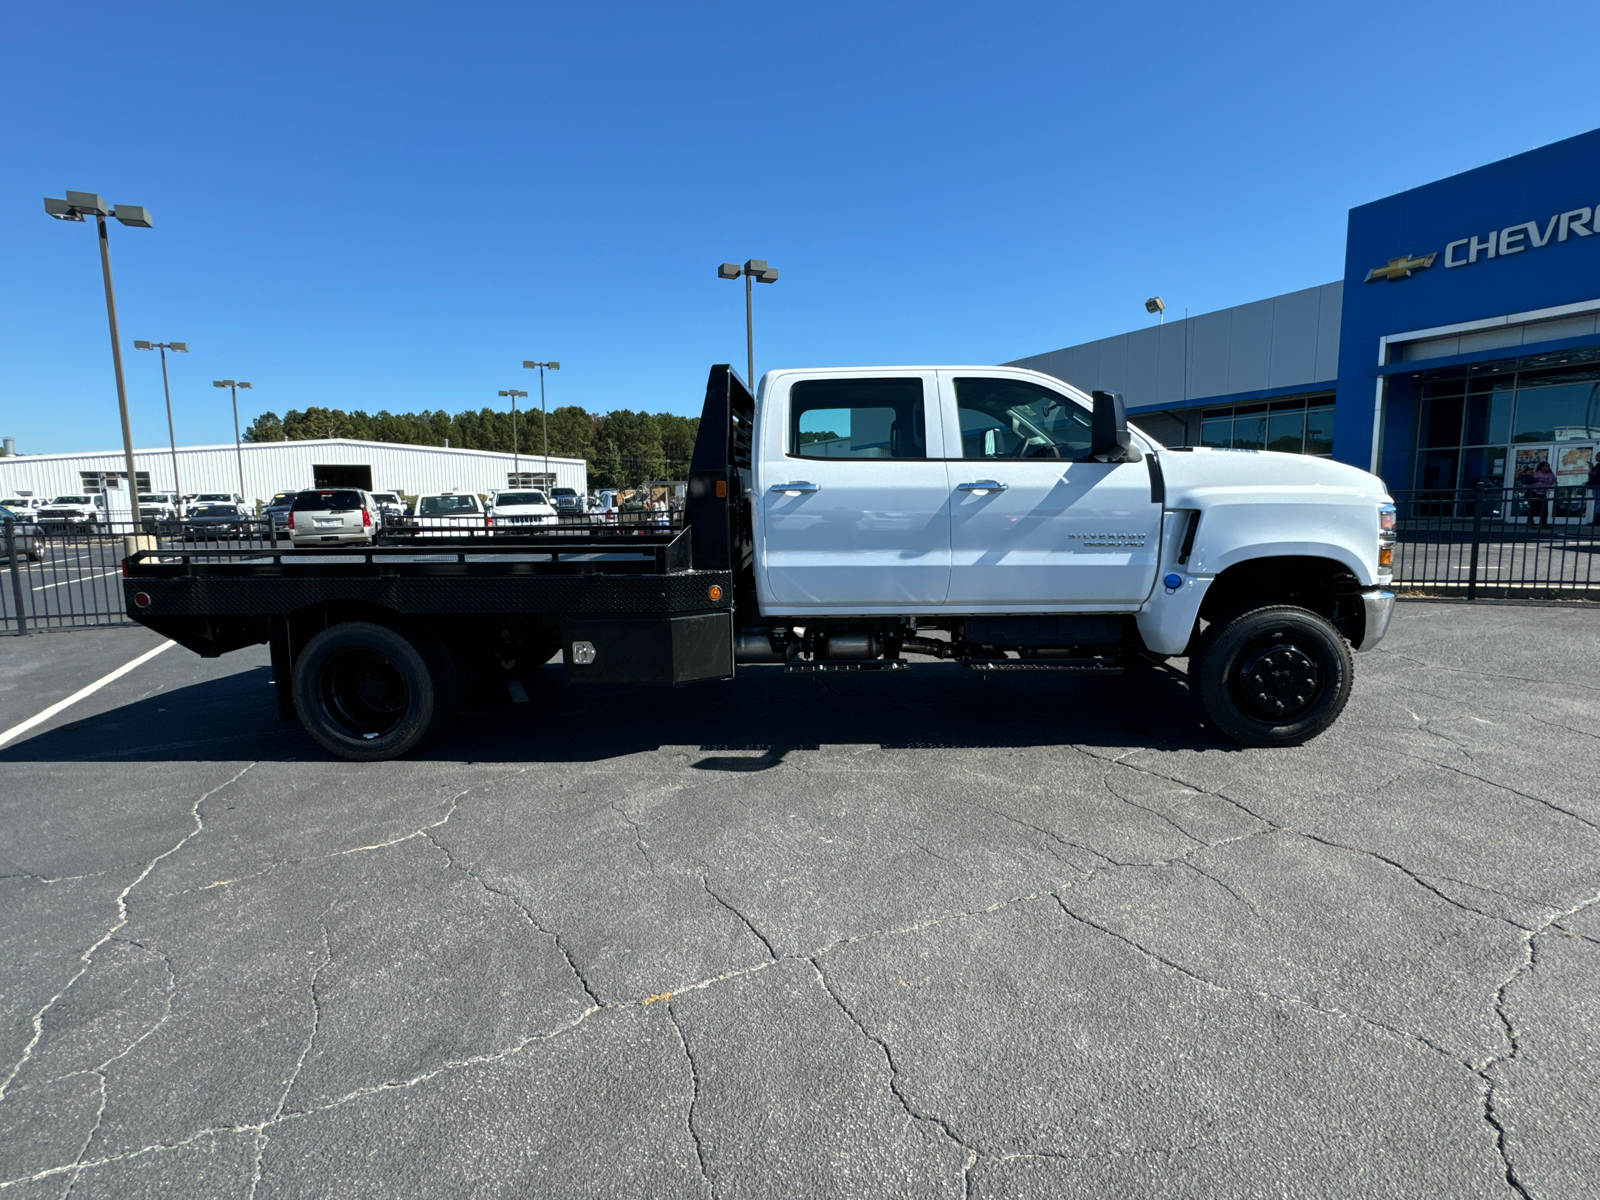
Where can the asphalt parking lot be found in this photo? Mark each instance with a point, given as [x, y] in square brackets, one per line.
[926, 936]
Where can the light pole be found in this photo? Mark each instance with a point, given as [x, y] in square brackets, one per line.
[176, 348]
[234, 385]
[516, 453]
[544, 417]
[1156, 305]
[76, 207]
[755, 268]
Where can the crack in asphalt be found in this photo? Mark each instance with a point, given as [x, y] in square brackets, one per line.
[262, 1137]
[99, 1072]
[748, 924]
[694, 1103]
[527, 914]
[939, 1123]
[638, 833]
[87, 957]
[1502, 1012]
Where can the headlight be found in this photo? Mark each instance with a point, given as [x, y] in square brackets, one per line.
[1386, 537]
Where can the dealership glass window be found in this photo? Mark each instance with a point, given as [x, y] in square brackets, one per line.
[1303, 425]
[1558, 410]
[1467, 428]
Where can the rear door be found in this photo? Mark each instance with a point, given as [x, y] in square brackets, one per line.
[854, 501]
[1034, 524]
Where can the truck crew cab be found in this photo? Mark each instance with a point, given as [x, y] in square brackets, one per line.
[991, 516]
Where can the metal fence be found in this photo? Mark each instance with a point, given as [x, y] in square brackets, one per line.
[1498, 543]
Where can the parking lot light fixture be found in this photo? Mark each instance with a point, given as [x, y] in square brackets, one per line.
[516, 453]
[77, 207]
[234, 385]
[757, 269]
[544, 417]
[176, 348]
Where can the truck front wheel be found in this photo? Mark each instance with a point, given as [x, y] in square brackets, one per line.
[1274, 676]
[364, 692]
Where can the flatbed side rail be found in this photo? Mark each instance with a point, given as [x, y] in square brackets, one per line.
[626, 554]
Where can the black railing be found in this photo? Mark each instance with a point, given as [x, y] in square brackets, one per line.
[1499, 543]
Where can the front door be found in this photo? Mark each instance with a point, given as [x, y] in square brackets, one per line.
[1034, 523]
[855, 502]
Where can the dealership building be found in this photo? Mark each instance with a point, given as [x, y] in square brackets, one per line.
[272, 467]
[1461, 347]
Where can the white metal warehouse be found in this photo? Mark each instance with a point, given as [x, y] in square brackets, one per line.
[271, 467]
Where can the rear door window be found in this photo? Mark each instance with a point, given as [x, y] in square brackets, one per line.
[858, 418]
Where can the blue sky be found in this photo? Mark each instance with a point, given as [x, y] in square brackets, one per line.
[391, 206]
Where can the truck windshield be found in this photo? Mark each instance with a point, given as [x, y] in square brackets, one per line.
[327, 501]
[217, 510]
[71, 500]
[447, 506]
[506, 499]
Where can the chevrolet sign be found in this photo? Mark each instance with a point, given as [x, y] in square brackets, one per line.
[1401, 268]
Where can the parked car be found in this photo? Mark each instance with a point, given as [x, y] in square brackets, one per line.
[245, 506]
[390, 506]
[276, 510]
[519, 510]
[27, 534]
[439, 513]
[333, 517]
[73, 512]
[212, 522]
[24, 504]
[157, 507]
[566, 500]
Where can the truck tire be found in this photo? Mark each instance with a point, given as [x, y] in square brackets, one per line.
[364, 692]
[1272, 676]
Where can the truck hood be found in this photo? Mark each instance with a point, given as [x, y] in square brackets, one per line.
[1205, 471]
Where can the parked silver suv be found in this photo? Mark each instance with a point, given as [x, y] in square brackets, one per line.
[333, 517]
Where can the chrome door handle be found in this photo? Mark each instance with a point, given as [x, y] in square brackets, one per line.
[981, 486]
[794, 489]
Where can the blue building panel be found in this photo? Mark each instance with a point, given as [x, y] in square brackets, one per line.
[1516, 204]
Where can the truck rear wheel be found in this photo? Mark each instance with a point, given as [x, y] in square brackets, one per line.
[1274, 676]
[364, 692]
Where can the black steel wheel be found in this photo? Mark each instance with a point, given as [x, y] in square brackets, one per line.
[1272, 676]
[364, 692]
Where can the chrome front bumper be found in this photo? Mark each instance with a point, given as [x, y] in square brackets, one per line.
[1378, 605]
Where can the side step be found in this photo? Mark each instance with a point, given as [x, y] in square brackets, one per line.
[832, 668]
[1075, 666]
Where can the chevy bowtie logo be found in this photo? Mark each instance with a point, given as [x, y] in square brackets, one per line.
[1401, 268]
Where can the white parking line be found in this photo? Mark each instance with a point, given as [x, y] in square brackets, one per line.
[19, 730]
[76, 579]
